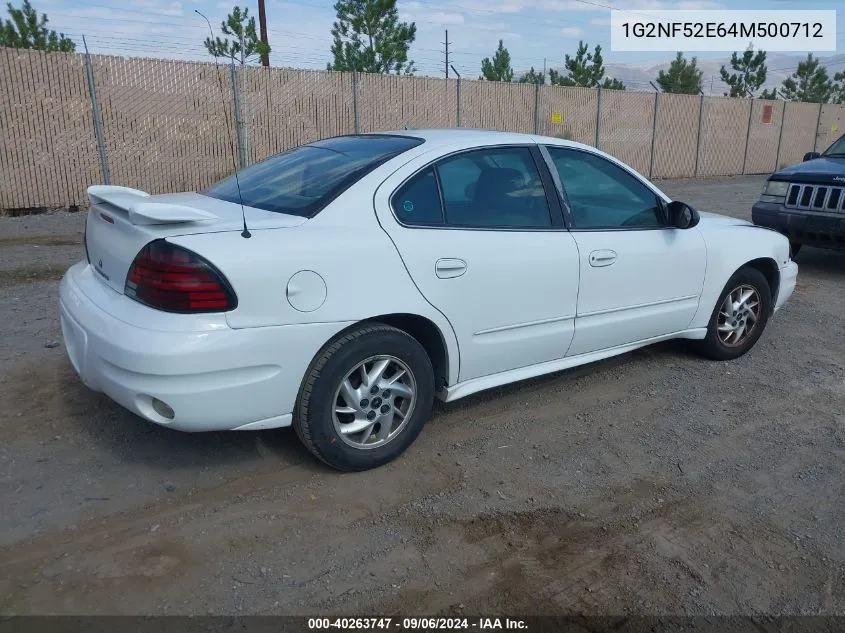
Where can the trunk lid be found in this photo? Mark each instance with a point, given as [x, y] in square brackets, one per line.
[121, 221]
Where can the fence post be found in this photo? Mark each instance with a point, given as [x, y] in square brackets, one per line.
[598, 118]
[98, 121]
[458, 112]
[780, 135]
[653, 133]
[536, 107]
[818, 123]
[457, 97]
[239, 132]
[698, 139]
[747, 136]
[355, 101]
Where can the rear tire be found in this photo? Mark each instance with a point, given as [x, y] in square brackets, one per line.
[794, 248]
[740, 316]
[365, 398]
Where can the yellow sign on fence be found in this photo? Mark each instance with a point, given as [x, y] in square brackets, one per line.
[557, 118]
[835, 126]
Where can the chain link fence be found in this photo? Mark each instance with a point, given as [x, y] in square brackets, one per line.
[72, 120]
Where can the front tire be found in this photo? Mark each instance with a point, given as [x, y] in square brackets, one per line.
[365, 398]
[740, 316]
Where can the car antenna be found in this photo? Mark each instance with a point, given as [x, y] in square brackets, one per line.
[245, 232]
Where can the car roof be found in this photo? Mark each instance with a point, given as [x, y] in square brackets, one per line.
[477, 136]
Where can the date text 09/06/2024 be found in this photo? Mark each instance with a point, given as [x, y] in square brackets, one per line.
[415, 624]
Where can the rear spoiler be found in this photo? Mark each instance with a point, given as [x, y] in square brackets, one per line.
[141, 211]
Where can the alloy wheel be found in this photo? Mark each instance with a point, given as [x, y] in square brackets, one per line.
[738, 315]
[374, 401]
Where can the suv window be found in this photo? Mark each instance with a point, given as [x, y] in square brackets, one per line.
[837, 149]
[497, 187]
[602, 194]
[302, 181]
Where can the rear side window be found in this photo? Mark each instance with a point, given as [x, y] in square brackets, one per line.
[302, 181]
[418, 200]
[497, 187]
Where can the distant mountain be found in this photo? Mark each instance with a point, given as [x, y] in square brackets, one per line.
[780, 65]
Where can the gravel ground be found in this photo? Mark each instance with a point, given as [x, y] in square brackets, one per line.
[652, 483]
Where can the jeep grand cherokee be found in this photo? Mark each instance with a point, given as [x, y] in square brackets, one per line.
[806, 202]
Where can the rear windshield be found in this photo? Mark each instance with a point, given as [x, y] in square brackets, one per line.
[305, 179]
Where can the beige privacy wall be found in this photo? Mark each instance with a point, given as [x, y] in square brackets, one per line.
[171, 125]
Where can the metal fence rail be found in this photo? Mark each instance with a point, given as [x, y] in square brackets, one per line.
[70, 120]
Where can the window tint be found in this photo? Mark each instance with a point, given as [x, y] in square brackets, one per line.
[838, 147]
[418, 201]
[601, 194]
[303, 180]
[498, 187]
[458, 180]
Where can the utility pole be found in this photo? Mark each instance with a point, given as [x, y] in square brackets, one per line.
[447, 53]
[262, 22]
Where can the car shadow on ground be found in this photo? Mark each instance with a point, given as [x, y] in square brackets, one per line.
[130, 438]
[671, 351]
[822, 263]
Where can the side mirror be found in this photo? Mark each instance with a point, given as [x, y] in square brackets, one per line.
[681, 215]
[811, 156]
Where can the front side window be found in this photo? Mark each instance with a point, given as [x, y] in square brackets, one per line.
[303, 180]
[496, 187]
[601, 194]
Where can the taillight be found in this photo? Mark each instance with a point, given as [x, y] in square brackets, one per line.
[171, 278]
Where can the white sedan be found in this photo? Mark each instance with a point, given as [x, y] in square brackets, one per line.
[341, 286]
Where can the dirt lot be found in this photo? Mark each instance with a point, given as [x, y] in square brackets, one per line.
[651, 483]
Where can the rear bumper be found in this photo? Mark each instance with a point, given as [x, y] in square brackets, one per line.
[212, 377]
[825, 230]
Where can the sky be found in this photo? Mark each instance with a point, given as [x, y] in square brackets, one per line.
[534, 31]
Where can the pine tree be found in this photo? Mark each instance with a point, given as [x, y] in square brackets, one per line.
[533, 77]
[810, 82]
[585, 69]
[369, 38]
[683, 77]
[750, 73]
[26, 29]
[244, 44]
[838, 95]
[499, 69]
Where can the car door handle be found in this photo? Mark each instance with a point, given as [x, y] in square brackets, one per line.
[448, 268]
[602, 258]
